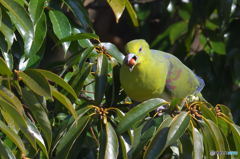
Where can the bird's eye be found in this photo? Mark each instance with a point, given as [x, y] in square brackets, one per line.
[140, 49]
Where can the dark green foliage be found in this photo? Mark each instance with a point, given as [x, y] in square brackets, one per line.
[81, 111]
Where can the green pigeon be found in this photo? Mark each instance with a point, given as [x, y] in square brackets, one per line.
[148, 73]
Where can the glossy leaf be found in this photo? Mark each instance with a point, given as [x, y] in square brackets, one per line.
[157, 144]
[178, 127]
[4, 68]
[80, 12]
[111, 150]
[22, 22]
[217, 136]
[57, 80]
[39, 113]
[118, 7]
[8, 34]
[11, 98]
[36, 9]
[13, 136]
[19, 119]
[101, 78]
[37, 136]
[64, 100]
[8, 59]
[67, 141]
[207, 113]
[113, 51]
[61, 26]
[198, 148]
[5, 152]
[39, 34]
[208, 139]
[137, 113]
[36, 82]
[125, 146]
[236, 136]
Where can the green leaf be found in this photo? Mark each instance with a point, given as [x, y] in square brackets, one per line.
[36, 82]
[111, 145]
[8, 57]
[39, 35]
[19, 119]
[177, 30]
[66, 142]
[84, 43]
[113, 51]
[37, 136]
[132, 13]
[208, 141]
[118, 7]
[80, 12]
[101, 78]
[125, 147]
[22, 22]
[137, 113]
[61, 26]
[225, 110]
[64, 100]
[36, 8]
[78, 81]
[157, 144]
[236, 136]
[198, 149]
[11, 98]
[80, 36]
[217, 136]
[178, 127]
[39, 113]
[4, 68]
[58, 80]
[5, 151]
[13, 137]
[207, 113]
[8, 35]
[218, 47]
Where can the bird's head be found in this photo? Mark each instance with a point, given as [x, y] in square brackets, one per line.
[137, 51]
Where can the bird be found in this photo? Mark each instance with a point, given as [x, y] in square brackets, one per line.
[147, 73]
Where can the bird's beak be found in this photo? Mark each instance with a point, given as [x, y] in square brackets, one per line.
[130, 60]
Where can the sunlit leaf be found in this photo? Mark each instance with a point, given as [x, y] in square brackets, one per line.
[5, 151]
[36, 9]
[36, 82]
[4, 70]
[138, 112]
[13, 136]
[39, 113]
[61, 26]
[22, 22]
[118, 7]
[58, 80]
[113, 51]
[109, 146]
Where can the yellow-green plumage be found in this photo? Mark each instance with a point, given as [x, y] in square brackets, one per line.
[156, 74]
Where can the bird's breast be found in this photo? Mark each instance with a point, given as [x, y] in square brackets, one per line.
[143, 82]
